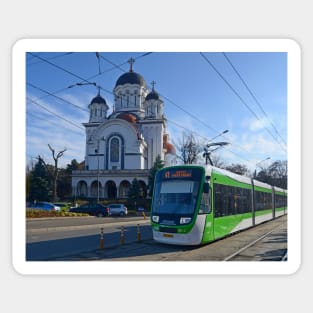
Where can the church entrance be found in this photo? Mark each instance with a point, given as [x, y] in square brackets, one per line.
[111, 189]
[82, 190]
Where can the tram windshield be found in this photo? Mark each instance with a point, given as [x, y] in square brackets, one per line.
[176, 192]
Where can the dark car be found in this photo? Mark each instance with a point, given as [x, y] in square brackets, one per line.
[94, 209]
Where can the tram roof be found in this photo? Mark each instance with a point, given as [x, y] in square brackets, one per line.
[243, 179]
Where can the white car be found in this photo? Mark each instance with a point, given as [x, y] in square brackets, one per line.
[117, 209]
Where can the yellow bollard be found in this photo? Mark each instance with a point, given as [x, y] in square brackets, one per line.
[101, 239]
[144, 215]
[138, 232]
[122, 235]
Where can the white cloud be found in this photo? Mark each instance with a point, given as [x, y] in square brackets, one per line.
[254, 124]
[45, 128]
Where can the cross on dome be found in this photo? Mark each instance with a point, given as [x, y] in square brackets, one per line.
[153, 83]
[131, 61]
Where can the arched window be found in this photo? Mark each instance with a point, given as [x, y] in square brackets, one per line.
[115, 150]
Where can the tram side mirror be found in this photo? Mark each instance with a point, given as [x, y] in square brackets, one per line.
[206, 187]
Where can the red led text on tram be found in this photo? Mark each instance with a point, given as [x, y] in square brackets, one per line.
[177, 174]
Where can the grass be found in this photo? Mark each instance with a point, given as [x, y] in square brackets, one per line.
[31, 213]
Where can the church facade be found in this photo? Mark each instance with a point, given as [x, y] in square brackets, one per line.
[124, 145]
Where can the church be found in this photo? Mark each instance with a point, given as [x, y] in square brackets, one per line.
[124, 145]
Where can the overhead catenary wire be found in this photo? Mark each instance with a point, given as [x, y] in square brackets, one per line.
[178, 106]
[53, 113]
[69, 72]
[57, 97]
[110, 92]
[207, 139]
[53, 122]
[52, 58]
[119, 67]
[165, 97]
[253, 96]
[240, 98]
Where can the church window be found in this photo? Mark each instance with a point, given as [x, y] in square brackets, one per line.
[114, 150]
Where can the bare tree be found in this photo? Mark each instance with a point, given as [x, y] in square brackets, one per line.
[189, 149]
[54, 170]
[240, 169]
[217, 161]
[276, 174]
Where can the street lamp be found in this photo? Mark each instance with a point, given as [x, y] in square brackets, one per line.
[258, 163]
[98, 165]
[220, 134]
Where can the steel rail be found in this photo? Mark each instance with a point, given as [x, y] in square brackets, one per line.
[251, 244]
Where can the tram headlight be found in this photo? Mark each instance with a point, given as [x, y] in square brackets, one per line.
[155, 218]
[185, 220]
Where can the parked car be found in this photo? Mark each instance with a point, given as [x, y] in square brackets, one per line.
[94, 209]
[62, 205]
[46, 206]
[118, 209]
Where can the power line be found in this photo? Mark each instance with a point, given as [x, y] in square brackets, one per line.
[119, 67]
[57, 97]
[207, 139]
[169, 100]
[253, 96]
[52, 58]
[240, 98]
[51, 122]
[53, 113]
[69, 72]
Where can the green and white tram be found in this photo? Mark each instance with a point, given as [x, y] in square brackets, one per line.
[195, 204]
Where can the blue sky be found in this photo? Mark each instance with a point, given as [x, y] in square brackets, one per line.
[203, 93]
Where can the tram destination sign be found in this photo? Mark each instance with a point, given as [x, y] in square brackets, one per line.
[177, 173]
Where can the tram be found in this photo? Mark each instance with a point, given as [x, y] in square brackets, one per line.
[197, 204]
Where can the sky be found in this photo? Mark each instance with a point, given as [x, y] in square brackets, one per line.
[204, 93]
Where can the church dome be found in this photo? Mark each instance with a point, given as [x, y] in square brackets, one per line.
[98, 99]
[169, 148]
[153, 95]
[131, 118]
[130, 78]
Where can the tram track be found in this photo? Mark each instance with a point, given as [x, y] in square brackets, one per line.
[264, 242]
[271, 236]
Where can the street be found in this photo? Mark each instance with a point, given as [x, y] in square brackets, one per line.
[80, 239]
[47, 239]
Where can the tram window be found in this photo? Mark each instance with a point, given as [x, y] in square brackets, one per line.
[229, 200]
[280, 201]
[263, 200]
[205, 206]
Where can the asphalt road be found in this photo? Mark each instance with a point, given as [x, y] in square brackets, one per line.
[49, 239]
[271, 248]
[79, 240]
